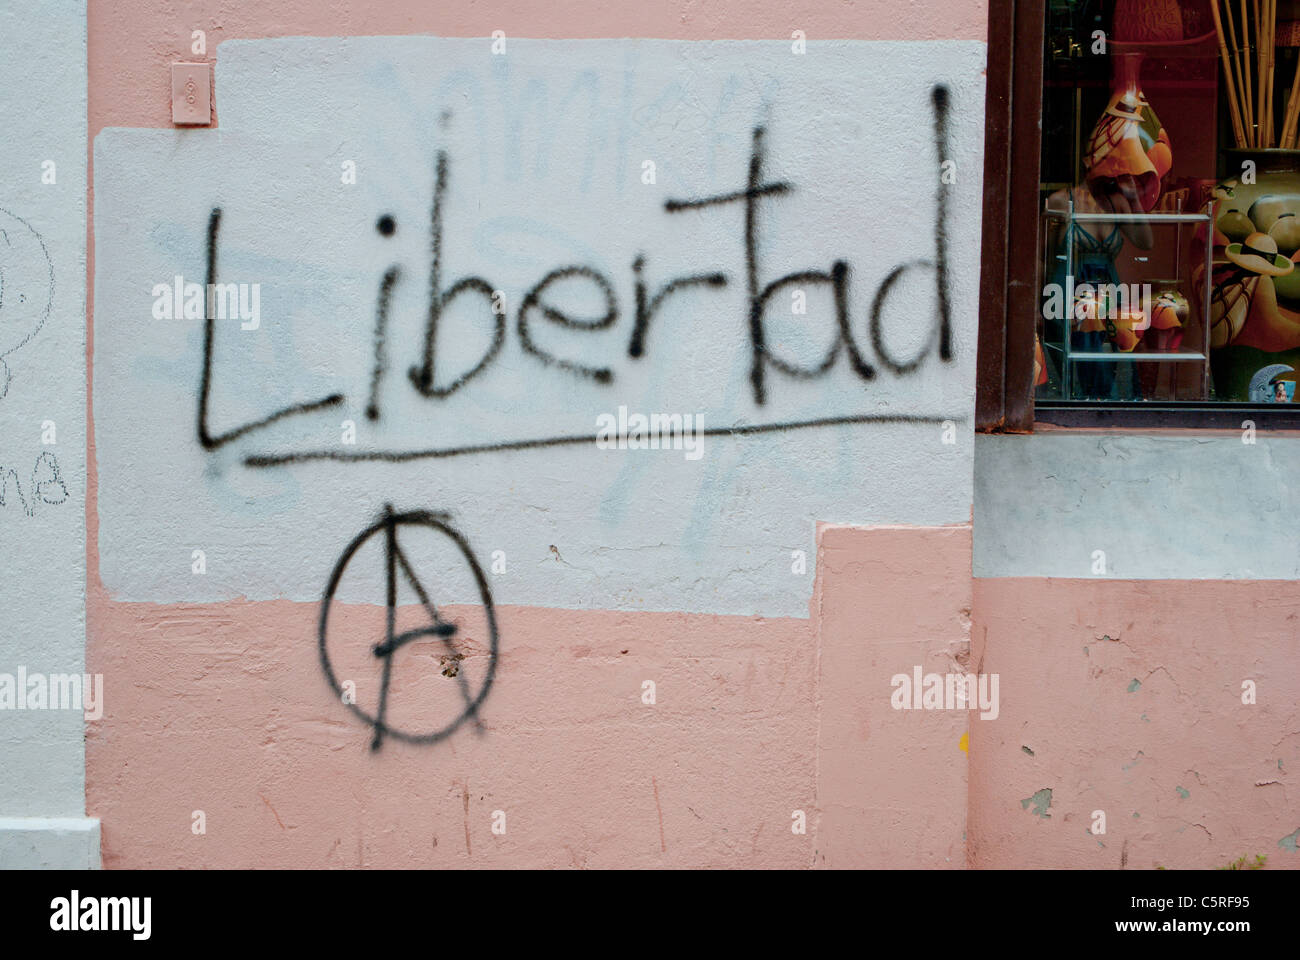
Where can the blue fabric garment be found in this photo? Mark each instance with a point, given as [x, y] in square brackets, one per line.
[1094, 263]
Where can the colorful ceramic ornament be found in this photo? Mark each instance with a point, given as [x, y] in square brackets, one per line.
[1230, 301]
[1091, 304]
[1286, 232]
[1127, 328]
[1129, 141]
[1265, 384]
[1235, 225]
[1169, 311]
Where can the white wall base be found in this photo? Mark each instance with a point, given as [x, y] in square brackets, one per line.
[49, 843]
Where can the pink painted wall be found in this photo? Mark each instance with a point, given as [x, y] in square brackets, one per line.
[1148, 725]
[228, 716]
[891, 783]
[133, 41]
[218, 709]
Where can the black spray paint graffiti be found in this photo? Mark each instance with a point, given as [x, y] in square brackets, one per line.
[46, 485]
[535, 306]
[26, 288]
[584, 439]
[396, 563]
[208, 441]
[423, 376]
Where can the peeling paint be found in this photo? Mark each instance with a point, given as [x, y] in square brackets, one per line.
[1191, 722]
[964, 743]
[1134, 762]
[1042, 801]
[1026, 749]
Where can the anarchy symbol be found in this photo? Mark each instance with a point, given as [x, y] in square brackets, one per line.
[397, 565]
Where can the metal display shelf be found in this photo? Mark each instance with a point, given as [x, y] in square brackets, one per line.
[1129, 217]
[1176, 356]
[1070, 357]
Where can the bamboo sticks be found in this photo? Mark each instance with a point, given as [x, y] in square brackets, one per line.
[1248, 52]
[1270, 61]
[1272, 64]
[1245, 66]
[1292, 119]
[1266, 72]
[1259, 77]
[1238, 129]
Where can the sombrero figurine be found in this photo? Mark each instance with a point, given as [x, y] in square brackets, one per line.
[1244, 289]
[1258, 254]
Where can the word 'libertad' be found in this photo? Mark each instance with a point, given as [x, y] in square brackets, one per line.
[540, 303]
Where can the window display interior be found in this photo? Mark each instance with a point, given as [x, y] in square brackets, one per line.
[1170, 202]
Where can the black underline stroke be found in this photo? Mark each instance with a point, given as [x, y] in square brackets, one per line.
[738, 430]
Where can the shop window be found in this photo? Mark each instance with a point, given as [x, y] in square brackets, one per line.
[1142, 218]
